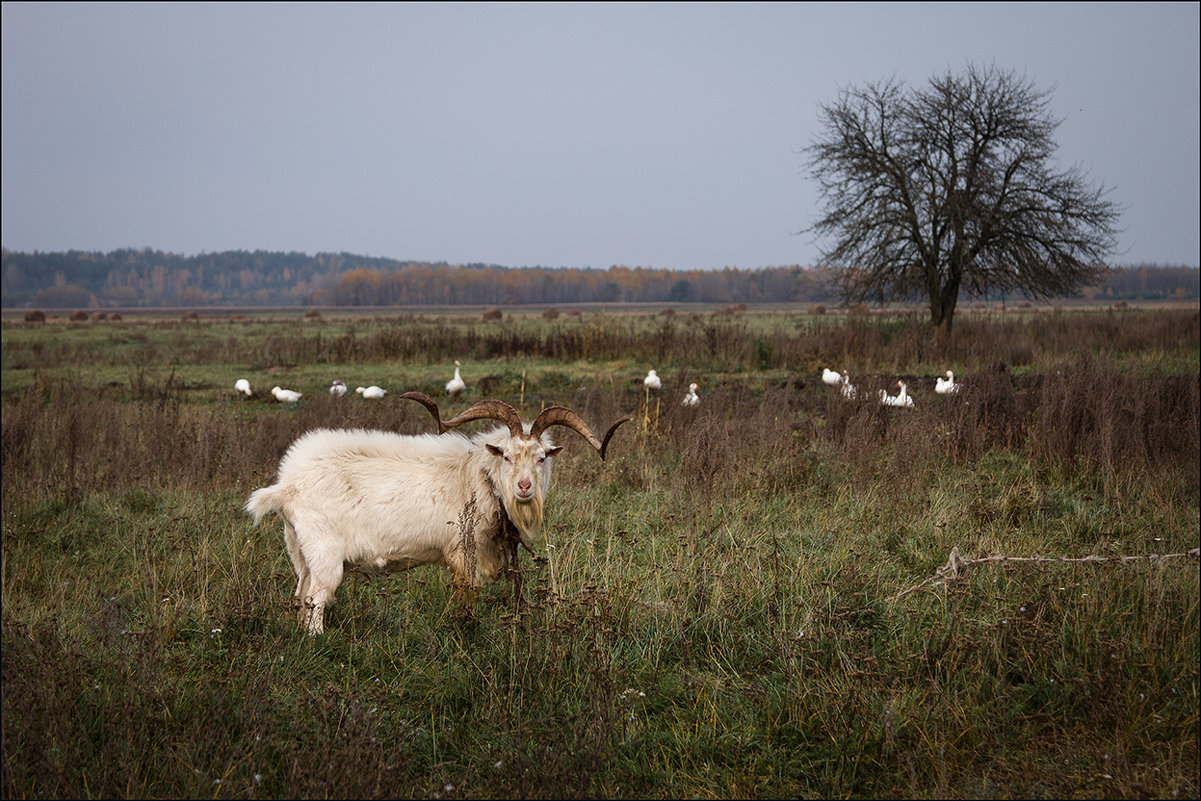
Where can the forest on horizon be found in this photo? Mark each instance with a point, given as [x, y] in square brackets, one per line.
[137, 278]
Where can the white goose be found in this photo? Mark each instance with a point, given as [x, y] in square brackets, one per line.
[456, 385]
[831, 377]
[901, 399]
[946, 386]
[338, 388]
[372, 392]
[847, 390]
[286, 395]
[243, 386]
[692, 399]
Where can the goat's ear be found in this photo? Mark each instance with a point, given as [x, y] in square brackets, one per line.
[492, 449]
[555, 451]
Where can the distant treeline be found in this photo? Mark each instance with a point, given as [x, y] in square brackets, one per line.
[130, 278]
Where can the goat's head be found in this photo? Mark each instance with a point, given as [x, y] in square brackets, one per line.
[524, 470]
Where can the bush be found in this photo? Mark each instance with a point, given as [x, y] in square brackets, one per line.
[35, 316]
[79, 317]
[494, 314]
[550, 314]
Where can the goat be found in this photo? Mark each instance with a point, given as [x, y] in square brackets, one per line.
[378, 502]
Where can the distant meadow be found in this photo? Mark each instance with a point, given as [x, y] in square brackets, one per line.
[780, 592]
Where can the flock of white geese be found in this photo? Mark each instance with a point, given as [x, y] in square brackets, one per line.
[337, 389]
[651, 383]
[454, 388]
[902, 400]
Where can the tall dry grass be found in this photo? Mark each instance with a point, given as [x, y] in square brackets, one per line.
[709, 613]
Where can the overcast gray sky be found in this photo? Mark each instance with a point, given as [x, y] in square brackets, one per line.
[562, 135]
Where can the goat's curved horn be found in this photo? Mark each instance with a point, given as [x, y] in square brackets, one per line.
[609, 435]
[425, 401]
[562, 416]
[491, 410]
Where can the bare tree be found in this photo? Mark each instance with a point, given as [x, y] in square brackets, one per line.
[954, 187]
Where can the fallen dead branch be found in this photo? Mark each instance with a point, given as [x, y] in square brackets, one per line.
[956, 564]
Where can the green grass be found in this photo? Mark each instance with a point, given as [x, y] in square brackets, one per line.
[710, 613]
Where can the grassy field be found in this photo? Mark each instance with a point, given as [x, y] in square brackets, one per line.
[737, 603]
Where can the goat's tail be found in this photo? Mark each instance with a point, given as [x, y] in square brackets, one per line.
[265, 500]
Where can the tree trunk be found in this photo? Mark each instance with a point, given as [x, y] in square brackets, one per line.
[942, 309]
[943, 328]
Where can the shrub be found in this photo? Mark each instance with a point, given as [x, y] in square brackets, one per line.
[312, 314]
[817, 309]
[550, 314]
[35, 316]
[494, 314]
[79, 317]
[190, 316]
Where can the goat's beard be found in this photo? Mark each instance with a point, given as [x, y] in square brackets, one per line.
[527, 516]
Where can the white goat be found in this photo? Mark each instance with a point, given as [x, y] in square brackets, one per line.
[377, 502]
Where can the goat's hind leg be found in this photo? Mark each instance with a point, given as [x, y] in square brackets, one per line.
[303, 577]
[318, 573]
[325, 566]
